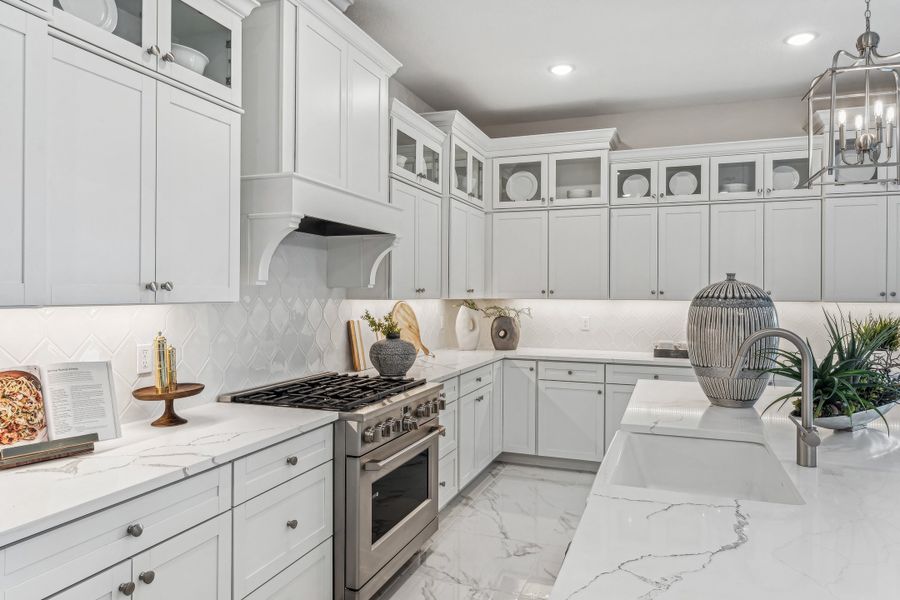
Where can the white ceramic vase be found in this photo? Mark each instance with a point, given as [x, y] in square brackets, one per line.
[467, 328]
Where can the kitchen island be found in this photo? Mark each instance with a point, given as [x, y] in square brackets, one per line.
[839, 539]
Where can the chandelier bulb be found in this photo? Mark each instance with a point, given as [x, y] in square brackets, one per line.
[879, 108]
[890, 114]
[858, 123]
[842, 117]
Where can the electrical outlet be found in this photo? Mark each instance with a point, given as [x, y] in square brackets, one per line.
[144, 359]
[585, 323]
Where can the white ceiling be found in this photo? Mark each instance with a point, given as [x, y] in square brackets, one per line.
[489, 58]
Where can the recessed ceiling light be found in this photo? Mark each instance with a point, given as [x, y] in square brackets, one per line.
[800, 39]
[561, 69]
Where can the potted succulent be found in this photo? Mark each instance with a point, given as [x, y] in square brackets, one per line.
[856, 382]
[506, 326]
[391, 356]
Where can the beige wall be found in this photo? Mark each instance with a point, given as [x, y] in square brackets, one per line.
[780, 117]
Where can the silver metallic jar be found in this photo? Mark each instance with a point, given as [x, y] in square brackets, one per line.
[721, 316]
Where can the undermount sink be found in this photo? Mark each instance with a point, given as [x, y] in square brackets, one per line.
[728, 468]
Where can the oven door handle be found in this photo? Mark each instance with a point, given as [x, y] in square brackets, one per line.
[383, 464]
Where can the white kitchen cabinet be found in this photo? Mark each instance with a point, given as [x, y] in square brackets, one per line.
[578, 178]
[893, 261]
[793, 268]
[737, 241]
[633, 253]
[785, 171]
[415, 264]
[23, 112]
[519, 405]
[367, 125]
[467, 175]
[428, 246]
[737, 177]
[448, 484]
[497, 410]
[616, 401]
[416, 148]
[107, 585]
[633, 183]
[312, 574]
[521, 181]
[197, 200]
[578, 250]
[683, 180]
[484, 402]
[855, 249]
[570, 420]
[474, 451]
[520, 254]
[466, 251]
[683, 251]
[449, 418]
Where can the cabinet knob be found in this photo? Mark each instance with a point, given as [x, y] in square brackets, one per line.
[531, 368]
[662, 195]
[759, 192]
[127, 588]
[882, 294]
[470, 291]
[656, 377]
[152, 286]
[551, 199]
[168, 286]
[768, 190]
[893, 294]
[653, 196]
[168, 57]
[769, 292]
[653, 292]
[292, 523]
[552, 292]
[570, 373]
[599, 392]
[661, 292]
[478, 380]
[153, 50]
[543, 291]
[443, 484]
[292, 460]
[543, 200]
[135, 530]
[147, 576]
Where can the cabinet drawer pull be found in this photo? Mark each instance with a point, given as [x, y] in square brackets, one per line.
[152, 286]
[292, 523]
[127, 588]
[599, 392]
[653, 292]
[571, 373]
[292, 460]
[443, 484]
[478, 380]
[153, 50]
[543, 291]
[168, 286]
[882, 294]
[168, 57]
[147, 576]
[893, 294]
[479, 398]
[661, 292]
[135, 530]
[656, 377]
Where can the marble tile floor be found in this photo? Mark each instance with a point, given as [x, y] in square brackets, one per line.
[503, 538]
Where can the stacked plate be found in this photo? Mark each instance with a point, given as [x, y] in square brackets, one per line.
[683, 183]
[102, 13]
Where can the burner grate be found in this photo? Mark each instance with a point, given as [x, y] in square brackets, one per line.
[329, 391]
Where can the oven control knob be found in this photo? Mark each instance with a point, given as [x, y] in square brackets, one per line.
[409, 424]
[371, 434]
[435, 407]
[387, 428]
[423, 410]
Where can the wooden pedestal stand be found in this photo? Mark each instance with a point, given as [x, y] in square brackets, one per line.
[169, 418]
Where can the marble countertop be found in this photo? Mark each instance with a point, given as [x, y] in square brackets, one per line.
[143, 459]
[844, 542]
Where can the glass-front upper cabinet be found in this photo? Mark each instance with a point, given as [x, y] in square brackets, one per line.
[633, 183]
[414, 156]
[476, 181]
[787, 171]
[578, 178]
[197, 42]
[466, 173]
[683, 180]
[736, 177]
[521, 181]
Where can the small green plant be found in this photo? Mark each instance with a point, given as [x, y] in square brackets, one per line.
[498, 311]
[873, 327]
[386, 326]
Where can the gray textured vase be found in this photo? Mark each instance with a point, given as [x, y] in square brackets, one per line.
[392, 357]
[720, 318]
[505, 333]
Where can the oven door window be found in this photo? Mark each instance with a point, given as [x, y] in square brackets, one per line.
[398, 494]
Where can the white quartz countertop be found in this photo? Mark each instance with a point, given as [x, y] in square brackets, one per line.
[844, 542]
[44, 495]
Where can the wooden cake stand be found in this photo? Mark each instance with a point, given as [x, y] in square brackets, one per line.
[169, 418]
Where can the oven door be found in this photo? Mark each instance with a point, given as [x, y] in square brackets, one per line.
[391, 498]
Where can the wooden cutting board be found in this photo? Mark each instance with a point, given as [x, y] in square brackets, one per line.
[405, 317]
[361, 339]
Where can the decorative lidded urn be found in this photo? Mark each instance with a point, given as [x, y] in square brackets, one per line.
[720, 318]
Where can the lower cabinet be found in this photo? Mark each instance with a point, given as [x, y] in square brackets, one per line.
[497, 411]
[617, 398]
[570, 420]
[312, 574]
[519, 404]
[474, 434]
[448, 484]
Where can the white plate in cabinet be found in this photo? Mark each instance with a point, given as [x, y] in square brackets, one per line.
[520, 254]
[273, 530]
[855, 233]
[794, 250]
[449, 418]
[578, 248]
[572, 371]
[633, 183]
[633, 260]
[737, 242]
[676, 177]
[738, 177]
[785, 171]
[574, 174]
[630, 374]
[51, 561]
[519, 405]
[312, 574]
[617, 398]
[475, 379]
[263, 470]
[683, 251]
[448, 485]
[521, 181]
[570, 420]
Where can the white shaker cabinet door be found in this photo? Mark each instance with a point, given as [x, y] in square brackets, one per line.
[683, 251]
[106, 585]
[428, 246]
[23, 97]
[198, 199]
[794, 250]
[632, 253]
[403, 256]
[466, 450]
[737, 242]
[101, 180]
[855, 249]
[484, 400]
[520, 254]
[519, 404]
[578, 248]
[367, 127]
[458, 250]
[497, 410]
[893, 287]
[570, 420]
[475, 252]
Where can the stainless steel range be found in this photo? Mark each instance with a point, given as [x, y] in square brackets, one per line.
[385, 469]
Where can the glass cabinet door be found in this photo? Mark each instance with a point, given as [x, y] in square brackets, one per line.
[633, 183]
[577, 178]
[476, 187]
[684, 180]
[521, 181]
[431, 166]
[130, 31]
[737, 177]
[199, 41]
[787, 171]
[405, 153]
[459, 182]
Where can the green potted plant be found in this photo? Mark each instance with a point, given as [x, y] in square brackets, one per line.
[853, 385]
[391, 356]
[506, 326]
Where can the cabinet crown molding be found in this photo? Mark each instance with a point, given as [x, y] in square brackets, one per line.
[401, 111]
[546, 143]
[786, 144]
[241, 8]
[453, 121]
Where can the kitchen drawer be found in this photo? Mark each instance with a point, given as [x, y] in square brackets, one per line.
[473, 380]
[450, 393]
[264, 542]
[630, 374]
[449, 418]
[263, 470]
[311, 575]
[53, 560]
[571, 371]
[448, 480]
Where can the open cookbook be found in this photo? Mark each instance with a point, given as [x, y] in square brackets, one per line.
[65, 400]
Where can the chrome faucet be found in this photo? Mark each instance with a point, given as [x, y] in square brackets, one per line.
[807, 435]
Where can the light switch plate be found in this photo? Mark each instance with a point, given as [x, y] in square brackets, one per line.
[585, 323]
[144, 359]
